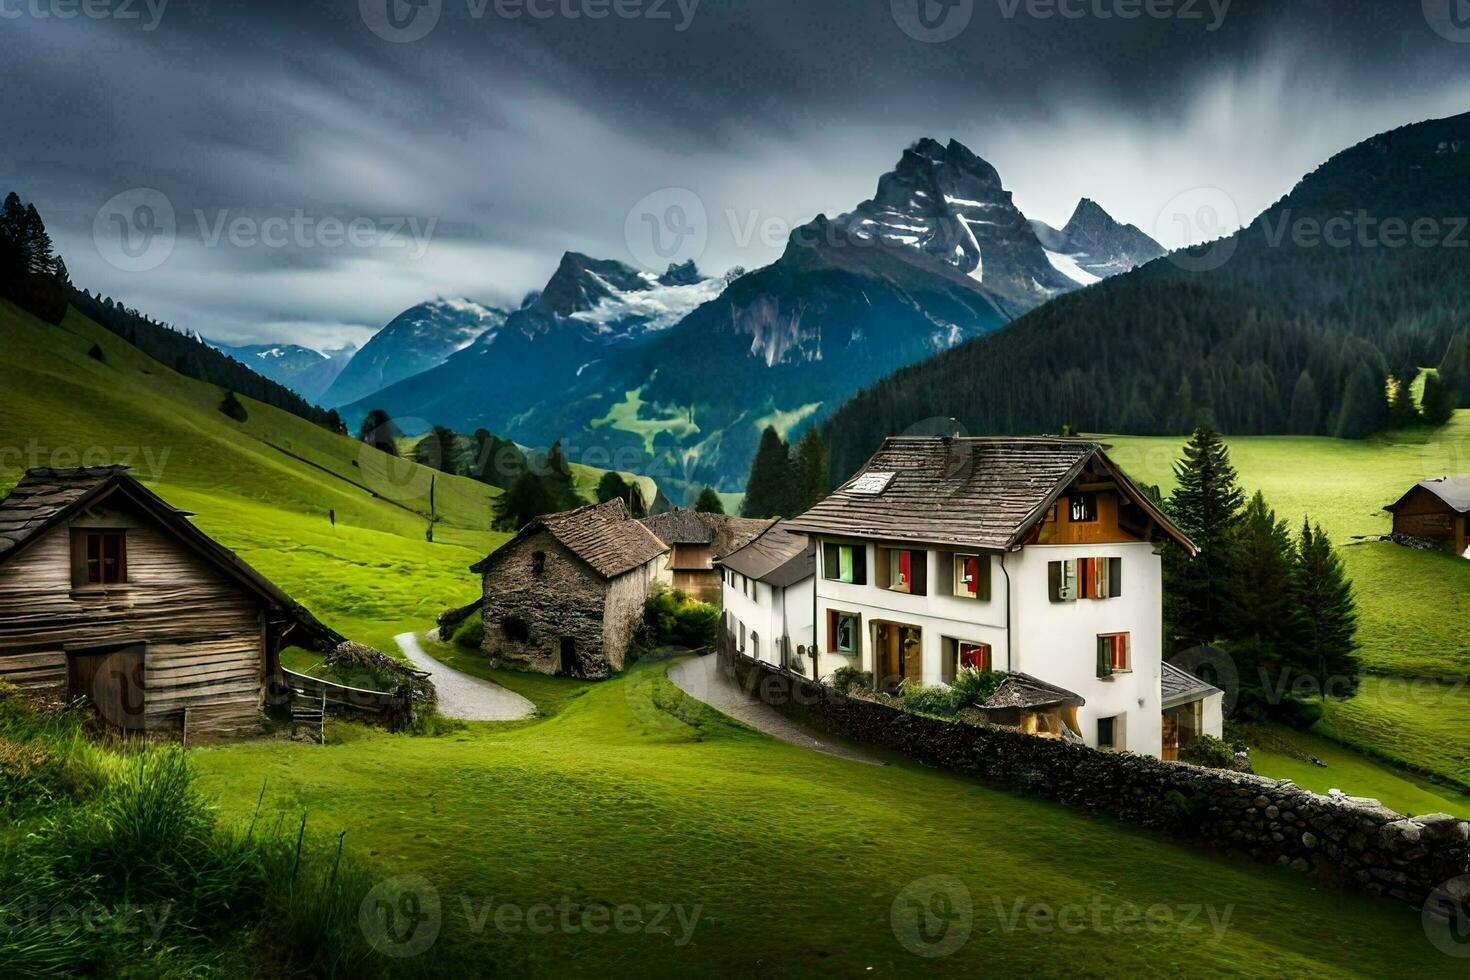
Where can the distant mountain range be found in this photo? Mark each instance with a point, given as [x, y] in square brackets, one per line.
[1292, 325]
[677, 374]
[307, 372]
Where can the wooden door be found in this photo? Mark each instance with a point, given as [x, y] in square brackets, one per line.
[1170, 729]
[112, 679]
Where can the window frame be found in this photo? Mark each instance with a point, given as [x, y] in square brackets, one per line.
[834, 630]
[952, 662]
[1076, 579]
[982, 572]
[84, 565]
[832, 562]
[1112, 641]
[1088, 503]
[890, 562]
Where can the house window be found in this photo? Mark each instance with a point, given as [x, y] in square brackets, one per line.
[742, 637]
[972, 577]
[845, 563]
[1085, 578]
[1083, 508]
[538, 562]
[755, 646]
[1111, 733]
[1113, 654]
[515, 629]
[843, 630]
[904, 571]
[99, 557]
[962, 654]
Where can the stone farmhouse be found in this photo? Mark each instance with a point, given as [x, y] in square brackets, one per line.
[108, 592]
[1037, 558]
[566, 594]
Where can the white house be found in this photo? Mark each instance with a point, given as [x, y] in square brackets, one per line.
[1034, 557]
[770, 599]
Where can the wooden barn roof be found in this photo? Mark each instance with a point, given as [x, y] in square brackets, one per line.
[605, 536]
[779, 557]
[983, 493]
[45, 498]
[1453, 490]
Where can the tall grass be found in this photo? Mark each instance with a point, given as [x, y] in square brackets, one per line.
[115, 863]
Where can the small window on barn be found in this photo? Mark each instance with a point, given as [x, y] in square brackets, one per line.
[515, 629]
[538, 562]
[98, 557]
[1083, 508]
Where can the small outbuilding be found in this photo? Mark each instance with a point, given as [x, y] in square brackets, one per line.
[1435, 511]
[108, 592]
[696, 542]
[566, 594]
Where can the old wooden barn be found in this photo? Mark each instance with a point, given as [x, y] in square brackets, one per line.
[1437, 511]
[108, 592]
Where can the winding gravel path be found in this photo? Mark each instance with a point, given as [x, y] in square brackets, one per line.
[703, 680]
[462, 696]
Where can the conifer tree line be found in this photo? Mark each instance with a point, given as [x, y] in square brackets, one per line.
[35, 278]
[1280, 605]
[535, 484]
[32, 275]
[785, 482]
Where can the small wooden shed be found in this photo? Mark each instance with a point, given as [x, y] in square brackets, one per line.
[1435, 510]
[108, 592]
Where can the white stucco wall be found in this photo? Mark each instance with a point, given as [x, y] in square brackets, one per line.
[1056, 642]
[773, 613]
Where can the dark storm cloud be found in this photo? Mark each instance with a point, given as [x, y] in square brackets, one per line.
[326, 167]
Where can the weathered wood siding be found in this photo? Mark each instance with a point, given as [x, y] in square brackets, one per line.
[204, 631]
[1423, 514]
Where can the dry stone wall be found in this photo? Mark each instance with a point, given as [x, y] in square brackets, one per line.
[1356, 843]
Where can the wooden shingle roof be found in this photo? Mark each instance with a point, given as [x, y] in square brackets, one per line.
[983, 493]
[605, 536]
[41, 497]
[1181, 687]
[680, 526]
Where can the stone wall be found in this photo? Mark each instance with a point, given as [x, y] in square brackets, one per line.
[565, 599]
[1355, 843]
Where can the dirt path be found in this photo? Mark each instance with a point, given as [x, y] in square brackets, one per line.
[702, 679]
[462, 696]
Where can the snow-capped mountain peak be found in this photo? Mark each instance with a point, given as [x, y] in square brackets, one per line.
[1094, 245]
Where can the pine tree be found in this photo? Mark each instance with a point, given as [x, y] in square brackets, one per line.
[770, 491]
[1439, 402]
[527, 499]
[612, 486]
[437, 450]
[1206, 505]
[1325, 614]
[378, 431]
[811, 465]
[1259, 597]
[1402, 411]
[709, 502]
[1306, 405]
[39, 256]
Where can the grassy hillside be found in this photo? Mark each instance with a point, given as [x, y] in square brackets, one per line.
[1413, 606]
[264, 487]
[629, 794]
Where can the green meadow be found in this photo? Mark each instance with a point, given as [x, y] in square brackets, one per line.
[629, 795]
[1413, 606]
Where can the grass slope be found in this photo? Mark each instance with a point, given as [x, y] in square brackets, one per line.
[264, 487]
[1413, 606]
[631, 794]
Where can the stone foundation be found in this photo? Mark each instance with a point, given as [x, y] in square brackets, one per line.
[1358, 844]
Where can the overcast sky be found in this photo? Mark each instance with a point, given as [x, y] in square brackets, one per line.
[305, 171]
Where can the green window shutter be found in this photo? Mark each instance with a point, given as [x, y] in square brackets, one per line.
[1104, 657]
[844, 562]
